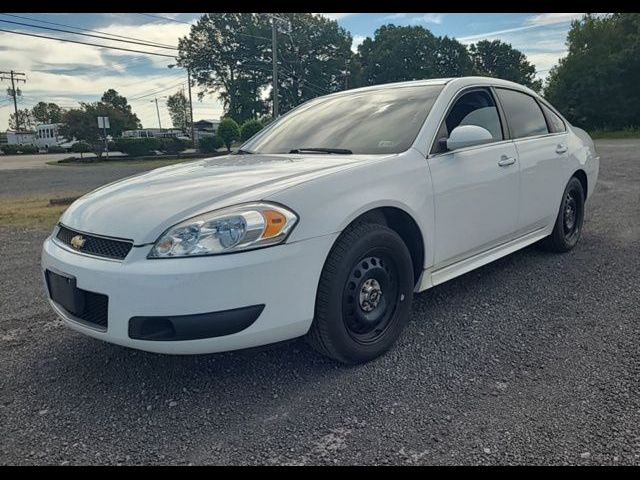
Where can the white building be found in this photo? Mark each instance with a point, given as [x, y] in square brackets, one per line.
[20, 138]
[47, 135]
[153, 132]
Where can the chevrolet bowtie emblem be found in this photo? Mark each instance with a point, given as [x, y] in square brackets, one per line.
[77, 242]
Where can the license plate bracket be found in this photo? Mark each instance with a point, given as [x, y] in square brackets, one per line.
[63, 291]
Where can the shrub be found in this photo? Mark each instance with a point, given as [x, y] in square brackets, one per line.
[172, 145]
[210, 144]
[137, 147]
[27, 149]
[229, 131]
[56, 149]
[249, 129]
[81, 147]
[9, 149]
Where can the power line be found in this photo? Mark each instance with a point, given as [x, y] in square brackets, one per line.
[86, 43]
[84, 29]
[163, 18]
[87, 34]
[156, 92]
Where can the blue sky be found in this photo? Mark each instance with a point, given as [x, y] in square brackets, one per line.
[67, 73]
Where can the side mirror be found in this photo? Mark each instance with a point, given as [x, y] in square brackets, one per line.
[468, 136]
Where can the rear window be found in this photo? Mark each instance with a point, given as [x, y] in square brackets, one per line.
[378, 121]
[556, 125]
[524, 116]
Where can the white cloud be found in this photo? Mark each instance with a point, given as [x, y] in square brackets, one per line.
[429, 18]
[67, 73]
[336, 16]
[395, 16]
[357, 41]
[553, 18]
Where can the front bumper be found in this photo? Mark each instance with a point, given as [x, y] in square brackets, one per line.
[283, 278]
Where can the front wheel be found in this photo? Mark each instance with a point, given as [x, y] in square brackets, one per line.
[568, 226]
[364, 294]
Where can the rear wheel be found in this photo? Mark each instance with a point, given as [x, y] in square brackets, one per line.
[364, 295]
[568, 226]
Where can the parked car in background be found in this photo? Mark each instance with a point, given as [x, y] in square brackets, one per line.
[325, 223]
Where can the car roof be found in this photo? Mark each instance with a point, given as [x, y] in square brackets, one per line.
[458, 81]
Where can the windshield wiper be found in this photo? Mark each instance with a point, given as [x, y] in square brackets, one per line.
[244, 152]
[342, 151]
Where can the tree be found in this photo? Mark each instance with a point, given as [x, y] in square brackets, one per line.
[499, 59]
[229, 131]
[178, 107]
[112, 100]
[44, 112]
[80, 124]
[228, 55]
[312, 59]
[397, 54]
[596, 84]
[249, 129]
[452, 58]
[26, 122]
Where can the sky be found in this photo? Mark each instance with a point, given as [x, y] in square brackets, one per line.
[67, 73]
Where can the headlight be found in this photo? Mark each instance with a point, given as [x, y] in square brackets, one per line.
[232, 229]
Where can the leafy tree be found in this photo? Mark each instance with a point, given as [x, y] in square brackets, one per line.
[44, 112]
[229, 131]
[81, 147]
[79, 124]
[596, 85]
[249, 129]
[112, 100]
[178, 107]
[397, 54]
[312, 59]
[452, 58]
[210, 143]
[228, 55]
[499, 59]
[26, 122]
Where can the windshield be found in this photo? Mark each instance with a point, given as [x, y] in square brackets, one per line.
[381, 121]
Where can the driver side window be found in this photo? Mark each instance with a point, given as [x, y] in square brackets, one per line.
[473, 108]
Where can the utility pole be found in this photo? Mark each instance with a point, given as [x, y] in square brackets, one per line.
[158, 112]
[346, 74]
[193, 138]
[274, 49]
[12, 91]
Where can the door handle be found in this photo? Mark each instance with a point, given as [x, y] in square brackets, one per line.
[506, 161]
[561, 148]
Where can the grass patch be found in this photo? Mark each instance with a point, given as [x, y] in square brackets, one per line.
[30, 212]
[629, 132]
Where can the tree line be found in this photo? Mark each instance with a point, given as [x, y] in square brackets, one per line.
[229, 55]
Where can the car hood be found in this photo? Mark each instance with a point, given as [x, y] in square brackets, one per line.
[143, 206]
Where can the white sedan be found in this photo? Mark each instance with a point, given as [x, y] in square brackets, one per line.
[325, 223]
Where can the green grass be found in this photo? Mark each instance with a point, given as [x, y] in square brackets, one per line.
[31, 212]
[629, 132]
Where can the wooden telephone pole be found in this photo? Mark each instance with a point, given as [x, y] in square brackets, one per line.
[13, 92]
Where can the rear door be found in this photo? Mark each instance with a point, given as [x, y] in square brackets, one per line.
[475, 188]
[540, 138]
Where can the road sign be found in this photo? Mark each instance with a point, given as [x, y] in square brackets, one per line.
[103, 122]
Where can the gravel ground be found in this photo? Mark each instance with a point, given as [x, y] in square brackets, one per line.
[530, 360]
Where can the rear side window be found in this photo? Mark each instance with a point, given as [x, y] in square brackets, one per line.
[556, 125]
[524, 116]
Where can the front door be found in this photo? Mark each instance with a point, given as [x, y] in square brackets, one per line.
[476, 189]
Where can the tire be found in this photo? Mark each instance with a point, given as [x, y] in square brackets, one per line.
[364, 294]
[568, 226]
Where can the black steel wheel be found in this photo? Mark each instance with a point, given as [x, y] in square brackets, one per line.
[568, 226]
[364, 294]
